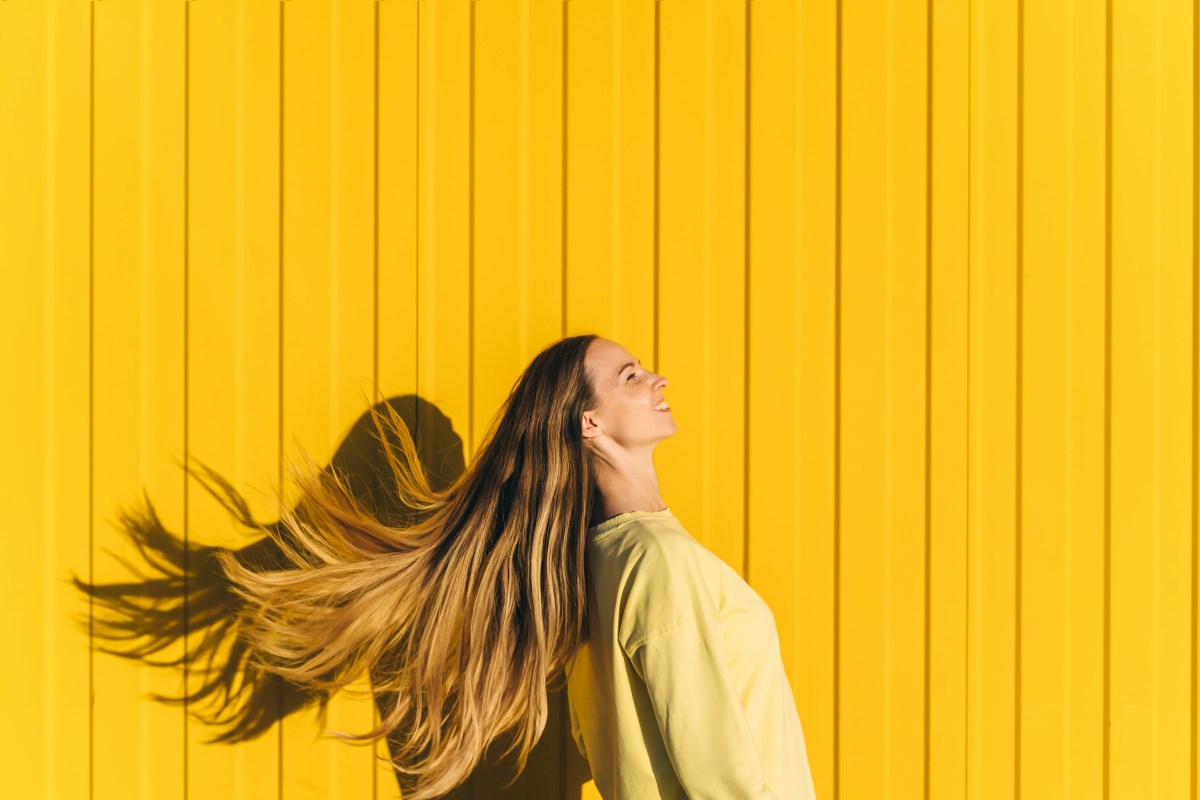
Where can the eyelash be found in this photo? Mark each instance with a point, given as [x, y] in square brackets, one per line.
[631, 376]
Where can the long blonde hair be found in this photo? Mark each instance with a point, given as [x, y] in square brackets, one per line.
[460, 618]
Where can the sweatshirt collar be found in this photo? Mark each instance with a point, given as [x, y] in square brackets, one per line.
[620, 519]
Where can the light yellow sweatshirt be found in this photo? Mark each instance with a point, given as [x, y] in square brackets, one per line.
[680, 691]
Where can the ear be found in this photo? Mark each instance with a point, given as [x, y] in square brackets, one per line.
[591, 427]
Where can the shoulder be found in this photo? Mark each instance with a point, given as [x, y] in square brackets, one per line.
[648, 549]
[668, 579]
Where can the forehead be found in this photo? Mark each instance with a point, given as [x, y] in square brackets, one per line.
[605, 355]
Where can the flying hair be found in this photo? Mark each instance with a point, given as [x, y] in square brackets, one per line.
[460, 615]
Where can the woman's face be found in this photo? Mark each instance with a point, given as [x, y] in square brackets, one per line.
[628, 396]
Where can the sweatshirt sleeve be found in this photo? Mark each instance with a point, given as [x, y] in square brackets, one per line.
[701, 719]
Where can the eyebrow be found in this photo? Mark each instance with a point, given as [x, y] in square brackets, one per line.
[630, 364]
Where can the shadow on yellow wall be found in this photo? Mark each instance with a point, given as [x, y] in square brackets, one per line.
[178, 589]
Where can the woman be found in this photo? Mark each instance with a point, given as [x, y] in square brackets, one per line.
[677, 689]
[680, 689]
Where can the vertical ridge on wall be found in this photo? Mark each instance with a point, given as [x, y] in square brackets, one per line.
[992, 573]
[948, 347]
[1086, 293]
[444, 267]
[138, 361]
[927, 400]
[472, 442]
[1194, 771]
[353, 154]
[44, 406]
[882, 266]
[1019, 397]
[380, 746]
[395, 235]
[1151, 231]
[1176, 225]
[796, 213]
[375, 200]
[187, 101]
[1106, 699]
[281, 202]
[836, 267]
[562, 164]
[328, 328]
[655, 246]
[746, 167]
[233, 323]
[610, 172]
[91, 521]
[1061, 664]
[305, 310]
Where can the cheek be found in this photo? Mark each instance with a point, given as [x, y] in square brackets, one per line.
[636, 414]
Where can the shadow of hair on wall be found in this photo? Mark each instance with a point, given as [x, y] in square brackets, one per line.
[178, 589]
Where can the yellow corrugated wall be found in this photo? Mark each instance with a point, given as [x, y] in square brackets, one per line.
[922, 275]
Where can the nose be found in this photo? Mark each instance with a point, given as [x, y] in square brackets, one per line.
[660, 383]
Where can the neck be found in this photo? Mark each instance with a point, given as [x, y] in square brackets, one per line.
[625, 481]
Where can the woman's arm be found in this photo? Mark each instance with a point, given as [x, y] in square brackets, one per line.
[699, 714]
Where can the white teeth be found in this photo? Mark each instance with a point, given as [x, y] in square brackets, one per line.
[662, 406]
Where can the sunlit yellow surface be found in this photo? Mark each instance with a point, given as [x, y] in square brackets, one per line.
[920, 276]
